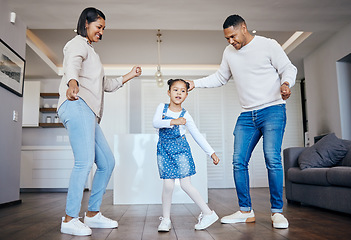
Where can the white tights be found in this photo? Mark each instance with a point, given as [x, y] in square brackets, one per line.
[188, 188]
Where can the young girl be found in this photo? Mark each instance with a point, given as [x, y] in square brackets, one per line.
[174, 156]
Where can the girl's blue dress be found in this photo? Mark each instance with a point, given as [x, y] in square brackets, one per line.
[174, 157]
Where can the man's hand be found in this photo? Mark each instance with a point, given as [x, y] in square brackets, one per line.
[191, 83]
[285, 90]
[72, 91]
[215, 159]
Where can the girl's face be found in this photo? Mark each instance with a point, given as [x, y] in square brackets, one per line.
[178, 92]
[95, 30]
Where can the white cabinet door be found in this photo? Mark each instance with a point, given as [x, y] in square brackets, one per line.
[46, 166]
[31, 101]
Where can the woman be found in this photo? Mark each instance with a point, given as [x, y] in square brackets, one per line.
[80, 109]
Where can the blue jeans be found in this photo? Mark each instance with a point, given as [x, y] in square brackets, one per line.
[89, 145]
[270, 123]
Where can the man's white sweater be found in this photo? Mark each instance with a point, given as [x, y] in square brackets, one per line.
[258, 69]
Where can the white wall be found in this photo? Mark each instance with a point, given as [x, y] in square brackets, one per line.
[344, 81]
[322, 93]
[10, 132]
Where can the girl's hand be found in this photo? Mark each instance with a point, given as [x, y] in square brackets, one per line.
[215, 159]
[135, 72]
[72, 90]
[178, 121]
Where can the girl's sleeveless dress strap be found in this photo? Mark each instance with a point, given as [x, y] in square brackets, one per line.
[165, 110]
[182, 113]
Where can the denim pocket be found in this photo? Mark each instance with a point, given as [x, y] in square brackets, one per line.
[61, 112]
[62, 108]
[282, 105]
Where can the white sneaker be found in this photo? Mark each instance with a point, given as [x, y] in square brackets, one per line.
[99, 221]
[206, 220]
[279, 221]
[75, 227]
[165, 225]
[239, 217]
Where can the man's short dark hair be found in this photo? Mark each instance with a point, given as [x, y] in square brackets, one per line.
[233, 21]
[88, 15]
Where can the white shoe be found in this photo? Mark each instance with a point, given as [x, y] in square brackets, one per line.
[279, 221]
[239, 217]
[99, 221]
[206, 220]
[75, 227]
[165, 225]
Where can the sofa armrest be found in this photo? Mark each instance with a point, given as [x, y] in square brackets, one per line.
[290, 160]
[290, 157]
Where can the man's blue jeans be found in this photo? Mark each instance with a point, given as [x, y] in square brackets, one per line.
[89, 145]
[270, 123]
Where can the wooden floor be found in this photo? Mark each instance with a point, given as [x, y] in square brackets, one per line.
[38, 217]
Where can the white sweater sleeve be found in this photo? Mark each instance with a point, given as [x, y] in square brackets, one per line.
[198, 137]
[282, 63]
[112, 84]
[75, 52]
[219, 78]
[158, 122]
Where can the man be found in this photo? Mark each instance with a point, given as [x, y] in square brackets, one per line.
[263, 75]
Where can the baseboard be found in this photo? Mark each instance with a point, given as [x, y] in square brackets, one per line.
[46, 190]
[8, 204]
[43, 190]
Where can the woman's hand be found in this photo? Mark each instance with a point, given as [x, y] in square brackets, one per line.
[135, 72]
[72, 91]
[178, 121]
[215, 159]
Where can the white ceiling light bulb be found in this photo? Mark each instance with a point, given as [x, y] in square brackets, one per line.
[158, 74]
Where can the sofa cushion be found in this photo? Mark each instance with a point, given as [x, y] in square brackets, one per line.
[311, 176]
[340, 176]
[327, 152]
[346, 161]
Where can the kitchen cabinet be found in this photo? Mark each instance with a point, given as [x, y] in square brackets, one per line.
[47, 167]
[48, 110]
[33, 114]
[31, 102]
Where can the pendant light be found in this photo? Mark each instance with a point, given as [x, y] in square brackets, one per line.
[158, 74]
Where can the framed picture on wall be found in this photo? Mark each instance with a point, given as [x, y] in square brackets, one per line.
[11, 69]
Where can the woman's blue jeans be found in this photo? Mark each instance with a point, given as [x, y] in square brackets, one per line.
[89, 145]
[270, 123]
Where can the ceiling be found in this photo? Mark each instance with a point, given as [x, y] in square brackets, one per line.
[199, 21]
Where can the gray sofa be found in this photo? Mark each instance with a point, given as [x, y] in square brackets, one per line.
[325, 187]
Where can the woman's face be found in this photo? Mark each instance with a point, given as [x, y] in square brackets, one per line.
[95, 30]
